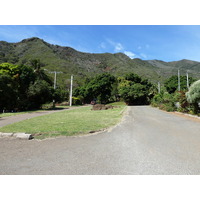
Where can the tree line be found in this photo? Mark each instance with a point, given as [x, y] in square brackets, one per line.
[27, 87]
[105, 88]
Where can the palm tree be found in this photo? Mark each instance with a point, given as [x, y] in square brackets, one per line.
[40, 73]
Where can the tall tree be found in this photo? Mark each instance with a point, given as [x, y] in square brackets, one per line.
[22, 88]
[37, 65]
[100, 88]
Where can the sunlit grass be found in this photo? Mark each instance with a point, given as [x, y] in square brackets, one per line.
[8, 114]
[69, 122]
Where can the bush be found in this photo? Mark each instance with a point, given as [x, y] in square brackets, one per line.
[180, 97]
[157, 100]
[193, 96]
[167, 107]
[76, 101]
[164, 101]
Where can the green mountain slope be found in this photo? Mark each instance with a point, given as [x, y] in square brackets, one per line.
[167, 69]
[69, 61]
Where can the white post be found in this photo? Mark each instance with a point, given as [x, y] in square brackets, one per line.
[55, 80]
[179, 87]
[70, 97]
[158, 87]
[54, 88]
[187, 81]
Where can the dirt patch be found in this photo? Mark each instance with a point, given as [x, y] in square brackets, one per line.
[102, 107]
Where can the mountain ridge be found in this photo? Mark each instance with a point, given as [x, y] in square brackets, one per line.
[82, 64]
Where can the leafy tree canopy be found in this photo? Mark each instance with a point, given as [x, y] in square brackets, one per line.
[98, 88]
[134, 90]
[22, 87]
[171, 84]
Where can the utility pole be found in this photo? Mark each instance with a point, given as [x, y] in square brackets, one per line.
[54, 86]
[55, 80]
[159, 87]
[187, 80]
[179, 87]
[70, 97]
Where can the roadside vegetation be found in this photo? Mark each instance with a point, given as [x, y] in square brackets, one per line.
[186, 100]
[26, 87]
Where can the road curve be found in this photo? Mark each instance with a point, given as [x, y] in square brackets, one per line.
[148, 141]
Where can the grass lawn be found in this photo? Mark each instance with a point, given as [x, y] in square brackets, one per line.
[17, 113]
[69, 122]
[8, 114]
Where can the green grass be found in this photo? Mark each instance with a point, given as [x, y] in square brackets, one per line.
[8, 114]
[69, 122]
[17, 113]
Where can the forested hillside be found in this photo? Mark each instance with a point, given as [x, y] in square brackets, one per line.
[82, 65]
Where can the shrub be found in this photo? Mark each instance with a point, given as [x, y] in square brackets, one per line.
[181, 98]
[157, 100]
[164, 101]
[76, 101]
[193, 95]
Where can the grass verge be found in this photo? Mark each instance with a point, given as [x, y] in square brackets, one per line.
[70, 122]
[17, 113]
[8, 114]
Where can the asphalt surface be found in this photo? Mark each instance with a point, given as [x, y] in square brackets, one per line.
[147, 141]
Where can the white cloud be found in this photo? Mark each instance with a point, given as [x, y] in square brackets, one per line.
[117, 46]
[130, 54]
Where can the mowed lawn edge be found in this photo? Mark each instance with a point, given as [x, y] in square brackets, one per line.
[79, 121]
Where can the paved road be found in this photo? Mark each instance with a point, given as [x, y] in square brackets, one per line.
[148, 141]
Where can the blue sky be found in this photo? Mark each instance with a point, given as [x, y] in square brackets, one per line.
[162, 42]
